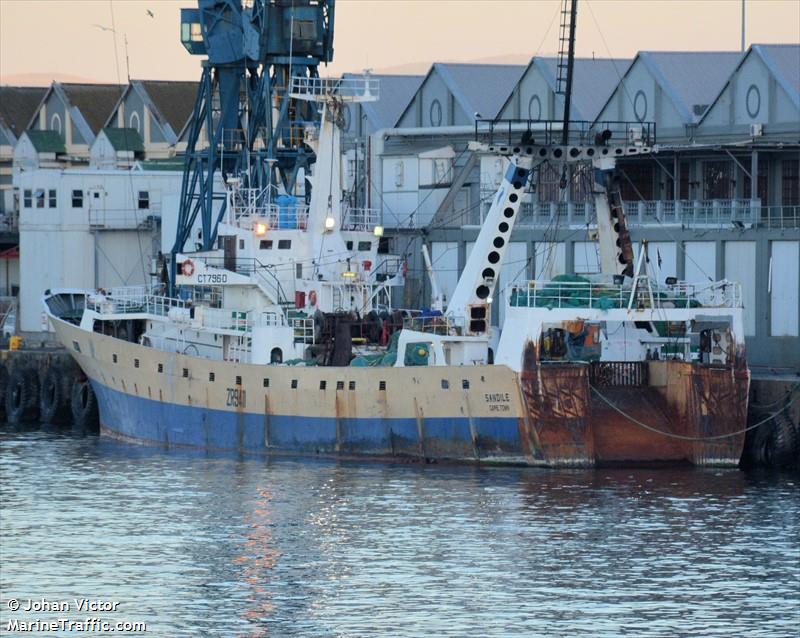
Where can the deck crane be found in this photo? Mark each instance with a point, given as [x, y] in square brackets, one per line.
[245, 124]
[529, 144]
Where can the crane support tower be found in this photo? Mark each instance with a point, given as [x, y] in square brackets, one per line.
[246, 124]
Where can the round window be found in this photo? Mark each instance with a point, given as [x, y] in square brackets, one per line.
[753, 101]
[436, 113]
[640, 105]
[535, 108]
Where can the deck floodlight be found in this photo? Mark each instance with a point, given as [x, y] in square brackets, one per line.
[330, 222]
[378, 231]
[261, 229]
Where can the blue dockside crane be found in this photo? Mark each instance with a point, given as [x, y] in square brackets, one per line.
[245, 124]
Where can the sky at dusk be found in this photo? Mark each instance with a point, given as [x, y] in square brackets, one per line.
[43, 39]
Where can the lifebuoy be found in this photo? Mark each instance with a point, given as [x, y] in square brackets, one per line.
[312, 298]
[187, 268]
[405, 268]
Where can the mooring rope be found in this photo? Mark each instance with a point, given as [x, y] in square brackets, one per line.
[763, 406]
[691, 438]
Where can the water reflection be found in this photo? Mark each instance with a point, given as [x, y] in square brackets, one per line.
[197, 544]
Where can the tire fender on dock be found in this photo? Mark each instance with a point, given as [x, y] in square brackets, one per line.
[83, 405]
[22, 396]
[54, 399]
[3, 386]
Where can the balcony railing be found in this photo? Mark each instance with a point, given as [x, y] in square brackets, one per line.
[125, 218]
[713, 214]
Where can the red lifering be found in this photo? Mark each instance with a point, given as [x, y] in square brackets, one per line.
[187, 268]
[405, 268]
[312, 298]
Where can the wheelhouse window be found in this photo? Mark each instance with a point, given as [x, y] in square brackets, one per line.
[39, 198]
[144, 200]
[52, 200]
[284, 244]
[265, 244]
[27, 198]
[365, 246]
[77, 198]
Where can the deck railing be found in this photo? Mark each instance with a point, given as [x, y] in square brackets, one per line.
[609, 296]
[632, 374]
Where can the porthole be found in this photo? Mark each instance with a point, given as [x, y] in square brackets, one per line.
[488, 273]
[482, 292]
[503, 227]
[494, 257]
[499, 242]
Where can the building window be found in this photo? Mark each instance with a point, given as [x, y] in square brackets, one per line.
[790, 184]
[351, 385]
[298, 271]
[294, 384]
[323, 385]
[27, 198]
[465, 384]
[134, 122]
[77, 199]
[241, 244]
[265, 244]
[637, 182]
[340, 385]
[55, 123]
[548, 183]
[445, 384]
[52, 201]
[382, 385]
[580, 184]
[717, 180]
[144, 200]
[39, 198]
[212, 376]
[266, 382]
[284, 244]
[436, 113]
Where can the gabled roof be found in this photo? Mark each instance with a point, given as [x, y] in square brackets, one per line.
[171, 102]
[396, 92]
[593, 83]
[94, 101]
[784, 62]
[124, 139]
[691, 79]
[46, 141]
[480, 88]
[17, 106]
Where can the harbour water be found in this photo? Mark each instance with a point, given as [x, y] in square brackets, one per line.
[195, 544]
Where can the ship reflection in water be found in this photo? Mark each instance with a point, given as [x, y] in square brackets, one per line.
[218, 546]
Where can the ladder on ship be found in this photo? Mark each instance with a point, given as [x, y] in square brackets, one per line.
[566, 57]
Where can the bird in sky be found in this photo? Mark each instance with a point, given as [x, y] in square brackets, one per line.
[102, 28]
[151, 14]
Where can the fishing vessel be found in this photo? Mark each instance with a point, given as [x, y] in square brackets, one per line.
[282, 340]
[277, 334]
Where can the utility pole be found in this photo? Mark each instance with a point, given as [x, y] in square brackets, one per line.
[743, 25]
